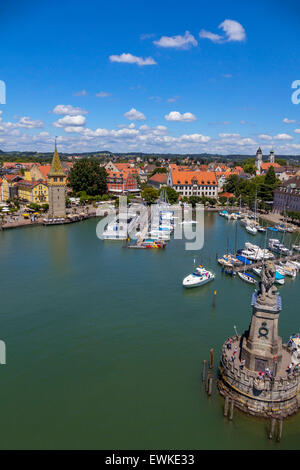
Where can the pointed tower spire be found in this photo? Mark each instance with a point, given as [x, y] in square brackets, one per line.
[56, 168]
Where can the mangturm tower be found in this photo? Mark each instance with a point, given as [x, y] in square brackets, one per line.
[57, 188]
[257, 372]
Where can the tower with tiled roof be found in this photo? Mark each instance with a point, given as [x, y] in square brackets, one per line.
[57, 188]
[258, 160]
[272, 157]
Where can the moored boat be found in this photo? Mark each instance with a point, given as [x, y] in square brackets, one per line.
[198, 278]
[247, 278]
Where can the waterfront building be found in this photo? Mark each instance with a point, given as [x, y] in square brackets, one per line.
[158, 180]
[121, 182]
[33, 191]
[10, 186]
[57, 188]
[192, 182]
[255, 371]
[287, 196]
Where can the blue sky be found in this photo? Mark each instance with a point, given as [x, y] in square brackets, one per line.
[164, 76]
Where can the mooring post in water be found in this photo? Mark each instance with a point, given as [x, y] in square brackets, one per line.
[207, 382]
[211, 358]
[210, 381]
[231, 410]
[214, 298]
[226, 406]
[279, 431]
[204, 370]
[272, 427]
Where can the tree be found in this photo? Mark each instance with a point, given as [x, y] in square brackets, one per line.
[159, 170]
[270, 177]
[195, 200]
[223, 200]
[150, 195]
[88, 176]
[171, 194]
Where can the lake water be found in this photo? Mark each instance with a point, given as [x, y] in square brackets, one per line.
[105, 348]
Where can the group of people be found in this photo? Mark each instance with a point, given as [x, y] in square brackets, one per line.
[292, 368]
[268, 373]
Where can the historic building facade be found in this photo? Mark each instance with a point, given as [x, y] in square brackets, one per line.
[57, 188]
[193, 182]
[287, 196]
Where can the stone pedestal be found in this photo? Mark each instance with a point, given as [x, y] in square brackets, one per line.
[261, 345]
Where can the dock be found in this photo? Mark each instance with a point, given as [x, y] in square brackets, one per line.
[257, 264]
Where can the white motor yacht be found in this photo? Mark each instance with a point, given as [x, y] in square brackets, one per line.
[199, 277]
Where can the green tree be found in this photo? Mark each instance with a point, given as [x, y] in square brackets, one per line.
[171, 194]
[150, 195]
[270, 177]
[88, 176]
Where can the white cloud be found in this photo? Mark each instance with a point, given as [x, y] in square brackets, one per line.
[212, 36]
[134, 115]
[297, 131]
[177, 42]
[224, 135]
[132, 59]
[288, 121]
[265, 137]
[233, 30]
[197, 138]
[68, 109]
[78, 129]
[177, 116]
[29, 123]
[69, 120]
[102, 94]
[283, 137]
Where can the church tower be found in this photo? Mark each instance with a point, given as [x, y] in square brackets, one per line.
[57, 188]
[258, 160]
[272, 157]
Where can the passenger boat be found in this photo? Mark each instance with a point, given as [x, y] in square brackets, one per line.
[198, 278]
[151, 243]
[247, 278]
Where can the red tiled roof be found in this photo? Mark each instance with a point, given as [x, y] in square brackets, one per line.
[267, 165]
[159, 178]
[227, 195]
[183, 177]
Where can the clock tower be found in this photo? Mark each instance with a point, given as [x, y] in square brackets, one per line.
[56, 188]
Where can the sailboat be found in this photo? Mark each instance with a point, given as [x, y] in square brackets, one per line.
[251, 228]
[247, 277]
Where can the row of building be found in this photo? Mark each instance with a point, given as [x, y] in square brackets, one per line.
[30, 181]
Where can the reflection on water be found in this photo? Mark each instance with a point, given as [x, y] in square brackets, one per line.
[105, 347]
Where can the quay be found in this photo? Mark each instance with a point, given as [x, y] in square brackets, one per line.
[46, 222]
